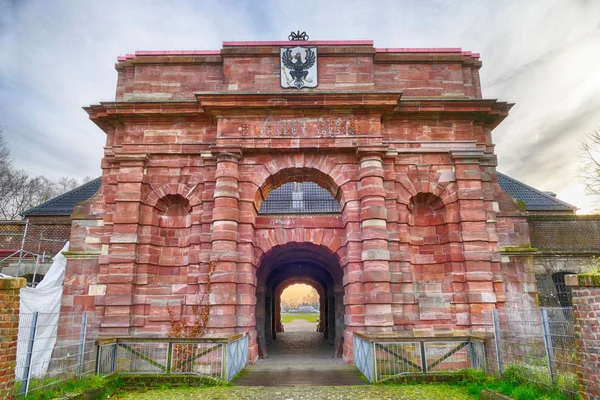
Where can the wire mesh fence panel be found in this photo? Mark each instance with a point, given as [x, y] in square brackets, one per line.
[392, 359]
[562, 347]
[142, 357]
[106, 359]
[447, 356]
[197, 358]
[237, 357]
[363, 357]
[52, 348]
[537, 345]
[26, 250]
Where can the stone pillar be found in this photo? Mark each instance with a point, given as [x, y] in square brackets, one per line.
[224, 242]
[375, 255]
[586, 310]
[118, 268]
[473, 269]
[9, 329]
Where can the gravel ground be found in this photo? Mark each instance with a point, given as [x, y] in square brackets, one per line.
[406, 392]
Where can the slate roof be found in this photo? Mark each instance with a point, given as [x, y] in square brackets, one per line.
[534, 199]
[64, 204]
[314, 199]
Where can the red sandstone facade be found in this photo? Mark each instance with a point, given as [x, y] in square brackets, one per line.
[197, 140]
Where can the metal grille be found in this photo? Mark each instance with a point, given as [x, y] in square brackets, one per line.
[563, 291]
[299, 198]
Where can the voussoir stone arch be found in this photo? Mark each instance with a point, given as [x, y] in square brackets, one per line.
[193, 195]
[327, 171]
[409, 186]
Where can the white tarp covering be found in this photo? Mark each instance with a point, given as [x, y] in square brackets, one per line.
[45, 299]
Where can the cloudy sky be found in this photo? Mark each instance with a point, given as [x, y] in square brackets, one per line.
[543, 55]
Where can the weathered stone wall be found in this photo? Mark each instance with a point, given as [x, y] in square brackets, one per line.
[564, 232]
[355, 65]
[9, 329]
[586, 310]
[414, 249]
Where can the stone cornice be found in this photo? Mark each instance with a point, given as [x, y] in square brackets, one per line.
[384, 101]
[490, 112]
[485, 111]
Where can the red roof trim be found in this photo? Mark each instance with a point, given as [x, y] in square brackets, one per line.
[302, 43]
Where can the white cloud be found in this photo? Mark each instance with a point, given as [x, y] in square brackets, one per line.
[541, 54]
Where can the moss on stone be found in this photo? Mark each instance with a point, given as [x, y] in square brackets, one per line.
[518, 249]
[589, 279]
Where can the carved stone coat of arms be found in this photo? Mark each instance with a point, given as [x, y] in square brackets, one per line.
[298, 67]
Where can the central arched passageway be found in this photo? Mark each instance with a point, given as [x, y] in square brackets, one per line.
[300, 357]
[299, 263]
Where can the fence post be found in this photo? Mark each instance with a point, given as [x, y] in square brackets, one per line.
[471, 355]
[114, 357]
[423, 357]
[374, 358]
[548, 342]
[497, 340]
[27, 369]
[22, 246]
[169, 356]
[223, 360]
[81, 348]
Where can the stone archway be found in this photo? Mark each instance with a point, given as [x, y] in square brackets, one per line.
[299, 262]
[308, 281]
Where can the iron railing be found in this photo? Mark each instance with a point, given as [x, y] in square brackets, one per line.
[380, 357]
[219, 358]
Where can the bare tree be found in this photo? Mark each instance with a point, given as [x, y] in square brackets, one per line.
[590, 170]
[20, 191]
[5, 159]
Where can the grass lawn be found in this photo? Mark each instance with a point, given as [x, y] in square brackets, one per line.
[396, 392]
[310, 317]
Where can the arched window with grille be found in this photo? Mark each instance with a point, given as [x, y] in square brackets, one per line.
[299, 198]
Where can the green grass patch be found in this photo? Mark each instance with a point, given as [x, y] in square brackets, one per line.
[514, 384]
[54, 388]
[289, 317]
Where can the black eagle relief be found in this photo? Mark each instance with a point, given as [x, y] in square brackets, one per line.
[298, 67]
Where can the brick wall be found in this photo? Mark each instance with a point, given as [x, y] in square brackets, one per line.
[586, 307]
[9, 328]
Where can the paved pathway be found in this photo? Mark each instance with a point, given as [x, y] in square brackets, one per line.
[300, 325]
[299, 359]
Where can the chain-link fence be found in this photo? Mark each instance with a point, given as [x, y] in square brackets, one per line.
[537, 345]
[26, 249]
[53, 348]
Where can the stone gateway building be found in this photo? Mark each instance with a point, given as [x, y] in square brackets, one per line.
[378, 187]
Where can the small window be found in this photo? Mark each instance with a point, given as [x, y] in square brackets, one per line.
[299, 198]
[563, 291]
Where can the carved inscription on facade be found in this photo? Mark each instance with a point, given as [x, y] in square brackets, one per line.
[297, 127]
